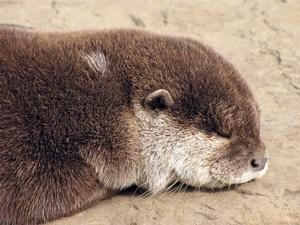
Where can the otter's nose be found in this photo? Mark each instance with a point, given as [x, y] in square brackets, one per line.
[258, 161]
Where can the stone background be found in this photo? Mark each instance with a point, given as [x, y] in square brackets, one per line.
[262, 39]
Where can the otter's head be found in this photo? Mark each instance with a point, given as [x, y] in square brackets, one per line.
[198, 122]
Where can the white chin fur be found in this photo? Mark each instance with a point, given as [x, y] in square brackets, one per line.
[244, 177]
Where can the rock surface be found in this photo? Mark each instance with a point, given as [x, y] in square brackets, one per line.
[262, 39]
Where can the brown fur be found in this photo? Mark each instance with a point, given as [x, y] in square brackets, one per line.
[65, 130]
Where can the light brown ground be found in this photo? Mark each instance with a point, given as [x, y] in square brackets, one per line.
[262, 39]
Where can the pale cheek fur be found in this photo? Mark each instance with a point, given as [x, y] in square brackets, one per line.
[173, 154]
[191, 158]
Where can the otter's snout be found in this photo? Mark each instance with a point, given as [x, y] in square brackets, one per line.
[258, 161]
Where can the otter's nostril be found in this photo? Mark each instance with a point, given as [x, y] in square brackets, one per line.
[258, 164]
[254, 163]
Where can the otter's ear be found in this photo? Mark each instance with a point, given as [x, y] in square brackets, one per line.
[160, 99]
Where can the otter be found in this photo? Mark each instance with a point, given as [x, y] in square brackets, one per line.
[85, 114]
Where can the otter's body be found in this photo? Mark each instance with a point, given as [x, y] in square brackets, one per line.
[83, 114]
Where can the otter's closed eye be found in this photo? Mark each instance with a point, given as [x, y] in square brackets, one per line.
[213, 133]
[213, 128]
[221, 134]
[160, 99]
